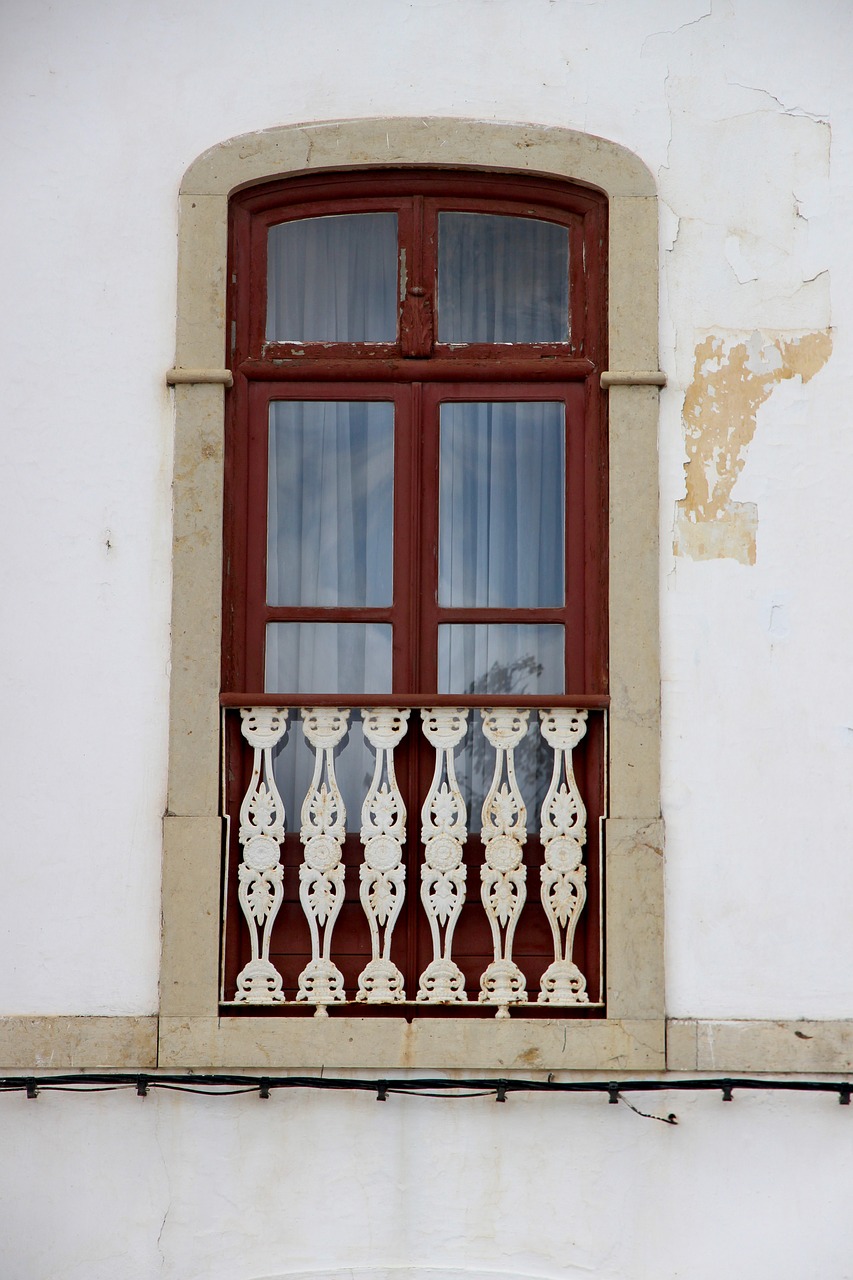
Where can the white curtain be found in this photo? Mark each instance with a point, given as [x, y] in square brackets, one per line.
[502, 279]
[501, 545]
[333, 279]
[501, 504]
[502, 475]
[329, 542]
[330, 503]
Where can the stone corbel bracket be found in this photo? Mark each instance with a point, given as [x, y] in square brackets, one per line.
[216, 377]
[632, 378]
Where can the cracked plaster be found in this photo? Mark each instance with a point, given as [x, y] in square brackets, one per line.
[746, 275]
[731, 381]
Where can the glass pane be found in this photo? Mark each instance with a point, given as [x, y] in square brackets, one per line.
[500, 657]
[293, 765]
[502, 279]
[326, 657]
[479, 658]
[330, 503]
[293, 768]
[475, 766]
[333, 279]
[502, 505]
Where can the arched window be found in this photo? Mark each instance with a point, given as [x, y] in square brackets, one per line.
[416, 489]
[418, 606]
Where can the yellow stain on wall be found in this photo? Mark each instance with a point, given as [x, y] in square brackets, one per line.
[730, 383]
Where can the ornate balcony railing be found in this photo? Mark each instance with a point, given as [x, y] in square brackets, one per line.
[502, 821]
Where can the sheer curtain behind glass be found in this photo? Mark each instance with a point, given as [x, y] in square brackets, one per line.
[502, 279]
[502, 546]
[329, 543]
[502, 480]
[330, 279]
[501, 504]
[333, 279]
[331, 470]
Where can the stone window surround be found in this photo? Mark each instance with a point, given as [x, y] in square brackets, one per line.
[189, 1031]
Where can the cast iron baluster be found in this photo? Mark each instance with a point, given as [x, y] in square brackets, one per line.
[443, 874]
[383, 878]
[321, 875]
[259, 875]
[563, 873]
[503, 875]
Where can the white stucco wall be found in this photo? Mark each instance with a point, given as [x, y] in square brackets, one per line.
[744, 111]
[105, 105]
[545, 1188]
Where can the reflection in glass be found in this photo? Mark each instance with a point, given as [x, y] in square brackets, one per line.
[501, 505]
[502, 658]
[326, 657]
[330, 503]
[293, 765]
[333, 279]
[502, 279]
[475, 766]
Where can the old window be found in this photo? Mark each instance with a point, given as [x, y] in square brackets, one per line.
[416, 356]
[416, 547]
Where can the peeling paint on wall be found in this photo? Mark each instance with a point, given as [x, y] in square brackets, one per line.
[731, 380]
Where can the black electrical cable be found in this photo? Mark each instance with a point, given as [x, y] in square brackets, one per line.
[227, 1084]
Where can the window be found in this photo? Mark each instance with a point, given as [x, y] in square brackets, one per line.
[435, 374]
[416, 485]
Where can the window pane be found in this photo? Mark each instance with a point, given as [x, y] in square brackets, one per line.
[333, 279]
[500, 657]
[293, 765]
[501, 505]
[475, 765]
[326, 657]
[330, 503]
[502, 279]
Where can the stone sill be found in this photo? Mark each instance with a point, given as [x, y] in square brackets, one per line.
[732, 1046]
[743, 1045]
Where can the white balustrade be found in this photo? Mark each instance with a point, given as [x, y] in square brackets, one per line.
[443, 873]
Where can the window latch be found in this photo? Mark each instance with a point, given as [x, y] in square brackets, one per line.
[416, 329]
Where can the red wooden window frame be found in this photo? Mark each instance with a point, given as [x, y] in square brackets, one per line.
[417, 373]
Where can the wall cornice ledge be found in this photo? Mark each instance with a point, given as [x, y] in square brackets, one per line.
[736, 1045]
[68, 1043]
